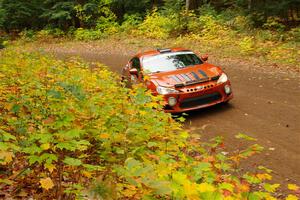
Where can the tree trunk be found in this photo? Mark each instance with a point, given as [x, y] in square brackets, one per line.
[154, 4]
[191, 4]
[249, 4]
[188, 4]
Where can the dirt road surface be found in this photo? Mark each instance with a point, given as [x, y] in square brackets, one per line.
[266, 106]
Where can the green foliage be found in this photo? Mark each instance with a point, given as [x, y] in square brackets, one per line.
[211, 28]
[20, 14]
[285, 53]
[155, 25]
[247, 45]
[273, 23]
[106, 23]
[131, 22]
[65, 125]
[132, 7]
[2, 15]
[50, 33]
[173, 6]
[4, 41]
[28, 35]
[219, 24]
[64, 14]
[294, 34]
[60, 13]
[42, 35]
[87, 34]
[241, 23]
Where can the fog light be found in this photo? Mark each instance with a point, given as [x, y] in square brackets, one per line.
[172, 101]
[227, 89]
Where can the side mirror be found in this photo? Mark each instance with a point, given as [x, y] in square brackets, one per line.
[133, 71]
[204, 57]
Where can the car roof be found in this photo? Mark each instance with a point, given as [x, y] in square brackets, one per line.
[160, 51]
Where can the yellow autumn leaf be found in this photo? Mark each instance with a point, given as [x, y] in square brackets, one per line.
[291, 197]
[228, 198]
[46, 183]
[6, 157]
[270, 198]
[244, 188]
[152, 105]
[293, 187]
[190, 190]
[8, 106]
[143, 113]
[104, 136]
[50, 167]
[264, 176]
[205, 187]
[130, 191]
[87, 174]
[45, 146]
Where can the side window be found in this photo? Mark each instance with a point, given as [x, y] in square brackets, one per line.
[135, 63]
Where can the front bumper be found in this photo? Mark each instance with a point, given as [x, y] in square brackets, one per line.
[193, 100]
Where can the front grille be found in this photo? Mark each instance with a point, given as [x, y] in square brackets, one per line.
[201, 100]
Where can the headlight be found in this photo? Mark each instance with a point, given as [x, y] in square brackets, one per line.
[227, 89]
[223, 78]
[164, 90]
[172, 101]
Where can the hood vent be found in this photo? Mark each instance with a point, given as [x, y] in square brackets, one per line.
[215, 78]
[203, 80]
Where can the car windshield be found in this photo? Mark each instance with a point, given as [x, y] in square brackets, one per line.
[170, 61]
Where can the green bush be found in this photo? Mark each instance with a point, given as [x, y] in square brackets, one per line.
[155, 25]
[286, 53]
[65, 126]
[88, 34]
[247, 45]
[186, 22]
[265, 35]
[273, 23]
[207, 9]
[50, 33]
[28, 35]
[107, 23]
[294, 34]
[131, 22]
[4, 41]
[242, 23]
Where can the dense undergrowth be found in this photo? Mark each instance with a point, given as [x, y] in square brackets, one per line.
[69, 131]
[229, 33]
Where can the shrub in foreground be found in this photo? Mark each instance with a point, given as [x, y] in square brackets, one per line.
[65, 127]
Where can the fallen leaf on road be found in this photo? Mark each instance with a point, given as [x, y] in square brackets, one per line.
[293, 187]
[46, 183]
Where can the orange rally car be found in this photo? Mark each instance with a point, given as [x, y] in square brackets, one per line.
[186, 81]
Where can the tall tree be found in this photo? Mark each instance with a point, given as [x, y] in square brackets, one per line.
[20, 14]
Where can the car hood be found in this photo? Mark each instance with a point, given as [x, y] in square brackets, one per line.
[196, 73]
